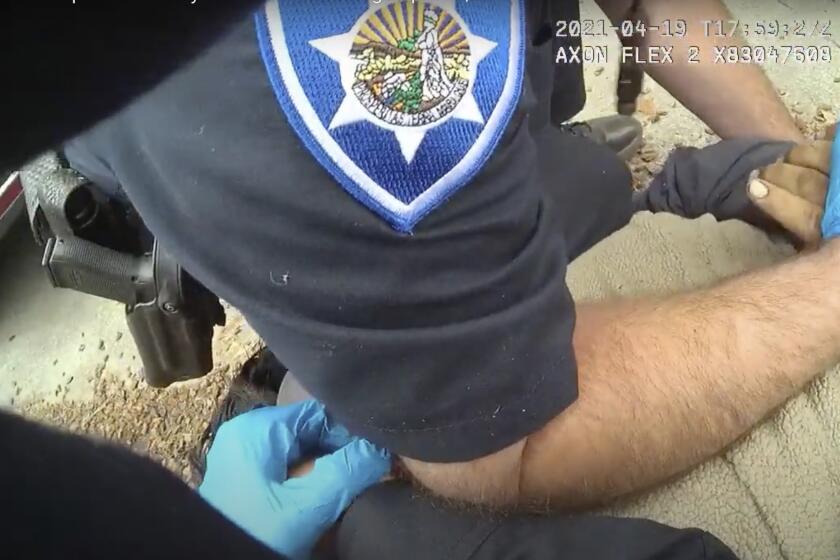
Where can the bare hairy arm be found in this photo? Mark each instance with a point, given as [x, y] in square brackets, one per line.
[665, 384]
[735, 100]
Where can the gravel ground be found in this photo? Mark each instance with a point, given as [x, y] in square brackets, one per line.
[164, 424]
[167, 424]
[650, 158]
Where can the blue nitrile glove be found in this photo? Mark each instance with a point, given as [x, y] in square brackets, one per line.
[831, 217]
[247, 467]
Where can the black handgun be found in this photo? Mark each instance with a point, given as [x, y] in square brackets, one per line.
[98, 245]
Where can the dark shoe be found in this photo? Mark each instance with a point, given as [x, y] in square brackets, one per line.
[256, 386]
[622, 134]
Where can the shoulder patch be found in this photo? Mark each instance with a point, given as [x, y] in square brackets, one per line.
[402, 101]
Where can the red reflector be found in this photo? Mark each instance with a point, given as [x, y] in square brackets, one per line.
[9, 192]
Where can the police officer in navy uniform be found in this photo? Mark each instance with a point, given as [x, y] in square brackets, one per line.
[403, 253]
[444, 336]
[217, 162]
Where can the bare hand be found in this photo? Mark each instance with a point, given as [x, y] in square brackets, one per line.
[792, 191]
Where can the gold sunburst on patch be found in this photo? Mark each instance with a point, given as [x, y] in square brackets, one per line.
[414, 63]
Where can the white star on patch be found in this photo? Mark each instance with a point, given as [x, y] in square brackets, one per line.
[351, 110]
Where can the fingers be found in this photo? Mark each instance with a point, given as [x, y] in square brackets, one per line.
[793, 191]
[314, 432]
[797, 215]
[280, 435]
[336, 479]
[350, 470]
[830, 132]
[816, 156]
[800, 181]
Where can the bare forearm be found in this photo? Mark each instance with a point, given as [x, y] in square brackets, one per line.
[665, 384]
[735, 100]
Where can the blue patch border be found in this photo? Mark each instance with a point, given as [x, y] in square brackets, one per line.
[403, 223]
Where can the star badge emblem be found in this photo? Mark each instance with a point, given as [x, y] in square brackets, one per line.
[402, 101]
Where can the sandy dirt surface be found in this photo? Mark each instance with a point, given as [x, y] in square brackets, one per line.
[164, 424]
[652, 154]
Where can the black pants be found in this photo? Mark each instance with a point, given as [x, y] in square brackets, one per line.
[68, 497]
[391, 521]
[594, 197]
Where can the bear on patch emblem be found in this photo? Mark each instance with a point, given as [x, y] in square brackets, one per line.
[402, 101]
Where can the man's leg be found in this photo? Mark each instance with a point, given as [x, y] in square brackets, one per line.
[776, 493]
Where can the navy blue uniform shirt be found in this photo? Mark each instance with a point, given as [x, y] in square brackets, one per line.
[445, 344]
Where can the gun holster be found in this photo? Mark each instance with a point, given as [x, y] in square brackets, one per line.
[98, 246]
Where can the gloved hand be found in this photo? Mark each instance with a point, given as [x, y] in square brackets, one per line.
[792, 191]
[247, 470]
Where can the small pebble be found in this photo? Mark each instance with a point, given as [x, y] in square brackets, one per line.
[81, 348]
[599, 70]
[11, 338]
[119, 335]
[55, 362]
[101, 344]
